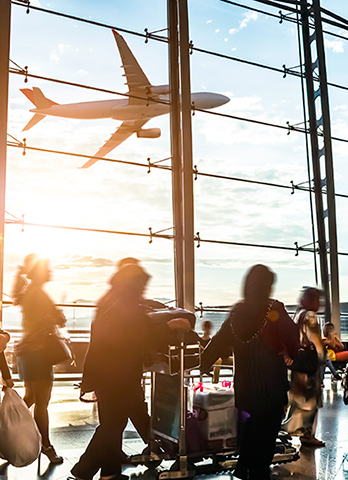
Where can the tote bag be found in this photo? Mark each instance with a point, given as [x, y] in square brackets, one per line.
[20, 439]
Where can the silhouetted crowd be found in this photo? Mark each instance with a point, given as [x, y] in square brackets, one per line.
[278, 364]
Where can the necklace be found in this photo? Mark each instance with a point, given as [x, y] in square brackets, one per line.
[257, 333]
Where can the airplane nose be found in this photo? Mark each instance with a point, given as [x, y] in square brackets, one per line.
[222, 99]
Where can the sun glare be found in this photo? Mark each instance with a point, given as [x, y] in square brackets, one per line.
[47, 242]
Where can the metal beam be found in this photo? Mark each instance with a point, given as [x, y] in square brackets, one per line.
[319, 208]
[175, 137]
[5, 23]
[330, 183]
[319, 119]
[189, 253]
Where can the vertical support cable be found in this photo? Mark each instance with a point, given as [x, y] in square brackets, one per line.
[175, 134]
[189, 256]
[5, 24]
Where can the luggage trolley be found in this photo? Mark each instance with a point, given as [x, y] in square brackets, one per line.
[169, 411]
[169, 417]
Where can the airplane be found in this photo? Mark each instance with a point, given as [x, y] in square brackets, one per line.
[134, 112]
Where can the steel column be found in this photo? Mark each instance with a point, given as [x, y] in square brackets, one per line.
[5, 24]
[330, 183]
[321, 158]
[189, 253]
[324, 273]
[175, 130]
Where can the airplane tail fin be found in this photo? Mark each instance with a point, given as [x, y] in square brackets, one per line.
[40, 101]
[34, 120]
[37, 98]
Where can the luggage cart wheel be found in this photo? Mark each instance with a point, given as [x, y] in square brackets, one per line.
[153, 460]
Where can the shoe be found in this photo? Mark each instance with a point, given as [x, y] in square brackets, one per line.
[311, 442]
[51, 454]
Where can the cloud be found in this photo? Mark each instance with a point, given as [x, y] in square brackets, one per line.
[62, 49]
[244, 23]
[248, 16]
[77, 261]
[335, 45]
[219, 131]
[54, 58]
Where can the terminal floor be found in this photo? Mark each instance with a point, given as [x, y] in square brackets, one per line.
[73, 423]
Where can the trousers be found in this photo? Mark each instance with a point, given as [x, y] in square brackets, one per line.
[257, 443]
[104, 451]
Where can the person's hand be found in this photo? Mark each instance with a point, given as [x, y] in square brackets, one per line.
[4, 338]
[61, 319]
[288, 361]
[179, 323]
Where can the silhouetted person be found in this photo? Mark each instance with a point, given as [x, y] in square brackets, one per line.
[306, 392]
[259, 330]
[40, 316]
[207, 328]
[121, 334]
[332, 342]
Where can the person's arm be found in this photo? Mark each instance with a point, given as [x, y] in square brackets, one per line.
[6, 374]
[4, 339]
[339, 347]
[44, 307]
[221, 342]
[158, 335]
[290, 335]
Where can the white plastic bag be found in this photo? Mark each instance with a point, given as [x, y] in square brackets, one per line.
[20, 439]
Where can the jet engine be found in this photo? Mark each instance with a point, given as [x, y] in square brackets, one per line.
[149, 133]
[158, 89]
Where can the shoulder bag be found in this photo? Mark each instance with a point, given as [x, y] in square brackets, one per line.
[58, 349]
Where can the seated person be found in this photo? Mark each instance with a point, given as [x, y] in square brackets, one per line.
[207, 327]
[5, 371]
[333, 344]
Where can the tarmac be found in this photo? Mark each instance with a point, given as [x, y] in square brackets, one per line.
[72, 424]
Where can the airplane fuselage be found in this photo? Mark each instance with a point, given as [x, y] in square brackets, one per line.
[124, 111]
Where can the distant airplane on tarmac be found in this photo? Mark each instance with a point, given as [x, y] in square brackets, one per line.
[134, 111]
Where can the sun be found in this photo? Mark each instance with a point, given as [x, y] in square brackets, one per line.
[51, 243]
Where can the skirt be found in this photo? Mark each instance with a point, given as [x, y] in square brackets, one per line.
[33, 366]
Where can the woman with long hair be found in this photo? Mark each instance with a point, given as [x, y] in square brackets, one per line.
[40, 316]
[260, 332]
[306, 393]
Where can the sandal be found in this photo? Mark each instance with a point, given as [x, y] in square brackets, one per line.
[51, 454]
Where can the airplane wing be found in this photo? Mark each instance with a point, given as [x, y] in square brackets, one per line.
[136, 79]
[125, 130]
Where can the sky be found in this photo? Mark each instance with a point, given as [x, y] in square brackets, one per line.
[50, 189]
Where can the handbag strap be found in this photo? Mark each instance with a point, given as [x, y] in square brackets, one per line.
[257, 333]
